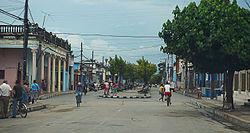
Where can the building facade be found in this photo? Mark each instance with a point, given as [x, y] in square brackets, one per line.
[48, 57]
[97, 73]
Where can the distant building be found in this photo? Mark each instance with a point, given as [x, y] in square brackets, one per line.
[241, 82]
[97, 73]
[49, 57]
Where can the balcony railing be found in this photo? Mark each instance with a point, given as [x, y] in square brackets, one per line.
[40, 33]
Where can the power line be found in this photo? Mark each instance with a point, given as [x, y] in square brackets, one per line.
[18, 16]
[17, 1]
[108, 35]
[11, 15]
[13, 9]
[5, 22]
[126, 50]
[31, 16]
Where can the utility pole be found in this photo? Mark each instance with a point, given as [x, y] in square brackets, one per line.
[92, 63]
[168, 72]
[25, 40]
[81, 65]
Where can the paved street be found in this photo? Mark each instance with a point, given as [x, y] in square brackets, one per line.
[115, 116]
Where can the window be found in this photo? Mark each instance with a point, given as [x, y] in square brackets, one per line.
[2, 74]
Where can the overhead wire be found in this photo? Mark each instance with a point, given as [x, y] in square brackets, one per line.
[4, 22]
[108, 35]
[18, 16]
[31, 16]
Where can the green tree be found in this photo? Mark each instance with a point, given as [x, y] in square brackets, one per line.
[117, 66]
[155, 79]
[130, 72]
[145, 69]
[214, 36]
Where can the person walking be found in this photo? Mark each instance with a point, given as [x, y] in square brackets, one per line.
[35, 91]
[161, 92]
[115, 87]
[18, 94]
[78, 94]
[5, 91]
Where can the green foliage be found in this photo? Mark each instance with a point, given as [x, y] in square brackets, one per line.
[145, 69]
[130, 72]
[155, 79]
[117, 65]
[214, 35]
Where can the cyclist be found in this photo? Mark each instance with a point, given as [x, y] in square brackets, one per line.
[78, 94]
[167, 92]
[18, 92]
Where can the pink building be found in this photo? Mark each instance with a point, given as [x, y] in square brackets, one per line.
[9, 59]
[49, 58]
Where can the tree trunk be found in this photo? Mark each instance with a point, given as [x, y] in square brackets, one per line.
[229, 89]
[186, 76]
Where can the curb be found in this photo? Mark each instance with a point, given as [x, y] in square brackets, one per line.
[126, 97]
[223, 115]
[54, 95]
[36, 108]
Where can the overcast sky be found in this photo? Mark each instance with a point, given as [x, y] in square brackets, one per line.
[116, 17]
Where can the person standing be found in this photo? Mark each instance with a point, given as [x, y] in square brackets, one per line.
[43, 86]
[26, 95]
[106, 88]
[35, 91]
[5, 91]
[18, 93]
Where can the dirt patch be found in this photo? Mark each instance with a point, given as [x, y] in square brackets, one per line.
[64, 110]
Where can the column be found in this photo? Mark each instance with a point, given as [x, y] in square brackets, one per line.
[72, 77]
[59, 75]
[33, 51]
[53, 73]
[42, 66]
[67, 78]
[246, 72]
[64, 75]
[239, 82]
[49, 74]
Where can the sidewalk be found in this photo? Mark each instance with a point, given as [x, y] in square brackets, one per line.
[40, 105]
[240, 116]
[50, 95]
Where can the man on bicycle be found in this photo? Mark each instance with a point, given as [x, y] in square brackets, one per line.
[167, 92]
[17, 91]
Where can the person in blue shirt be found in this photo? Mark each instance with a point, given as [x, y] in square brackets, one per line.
[35, 91]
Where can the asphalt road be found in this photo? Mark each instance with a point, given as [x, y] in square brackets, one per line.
[98, 115]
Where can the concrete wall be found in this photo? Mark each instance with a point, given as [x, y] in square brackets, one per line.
[9, 59]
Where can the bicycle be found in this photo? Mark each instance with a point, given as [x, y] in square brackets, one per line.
[168, 100]
[21, 109]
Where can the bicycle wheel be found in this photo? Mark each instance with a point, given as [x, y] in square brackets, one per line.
[10, 109]
[23, 110]
[168, 101]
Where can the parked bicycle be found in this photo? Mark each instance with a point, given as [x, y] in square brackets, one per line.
[21, 109]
